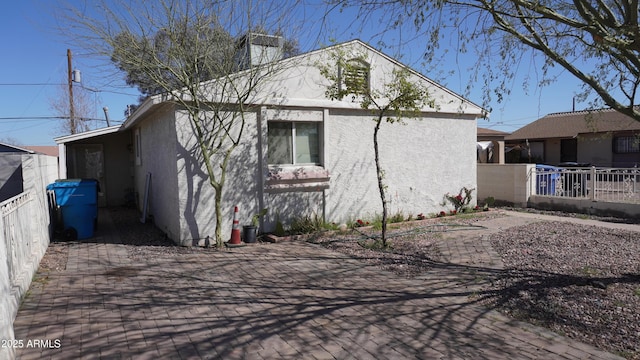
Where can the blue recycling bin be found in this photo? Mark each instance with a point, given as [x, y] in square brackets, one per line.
[546, 179]
[78, 202]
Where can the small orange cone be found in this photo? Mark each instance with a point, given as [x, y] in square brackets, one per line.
[235, 230]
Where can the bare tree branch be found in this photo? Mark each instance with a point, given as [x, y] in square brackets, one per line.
[186, 52]
[598, 41]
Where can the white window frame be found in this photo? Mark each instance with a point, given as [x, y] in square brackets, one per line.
[294, 146]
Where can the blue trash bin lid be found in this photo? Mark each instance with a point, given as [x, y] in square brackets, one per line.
[75, 191]
[547, 167]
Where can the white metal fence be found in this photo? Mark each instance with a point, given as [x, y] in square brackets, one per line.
[620, 185]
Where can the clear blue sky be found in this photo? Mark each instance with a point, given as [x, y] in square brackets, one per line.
[34, 60]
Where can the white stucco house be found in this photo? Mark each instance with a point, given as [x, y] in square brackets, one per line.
[300, 153]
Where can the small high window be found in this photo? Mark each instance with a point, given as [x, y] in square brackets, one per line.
[293, 143]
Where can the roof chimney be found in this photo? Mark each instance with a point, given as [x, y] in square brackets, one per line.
[258, 49]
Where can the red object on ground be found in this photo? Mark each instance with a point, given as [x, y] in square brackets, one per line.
[235, 230]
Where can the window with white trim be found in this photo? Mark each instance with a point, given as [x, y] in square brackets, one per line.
[293, 143]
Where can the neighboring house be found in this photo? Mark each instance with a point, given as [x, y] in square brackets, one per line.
[45, 150]
[11, 183]
[604, 138]
[301, 154]
[490, 146]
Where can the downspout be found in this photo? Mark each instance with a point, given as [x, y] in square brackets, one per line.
[325, 158]
[262, 164]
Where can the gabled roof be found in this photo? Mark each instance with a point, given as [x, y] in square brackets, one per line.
[454, 103]
[570, 124]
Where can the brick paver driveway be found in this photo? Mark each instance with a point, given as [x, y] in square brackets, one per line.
[275, 301]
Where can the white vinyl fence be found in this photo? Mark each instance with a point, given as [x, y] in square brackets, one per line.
[597, 191]
[24, 238]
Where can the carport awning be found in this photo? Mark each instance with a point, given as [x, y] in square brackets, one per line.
[87, 134]
[484, 145]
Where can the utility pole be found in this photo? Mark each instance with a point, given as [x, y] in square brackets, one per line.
[72, 120]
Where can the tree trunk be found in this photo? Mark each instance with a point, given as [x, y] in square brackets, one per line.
[218, 187]
[380, 175]
[218, 211]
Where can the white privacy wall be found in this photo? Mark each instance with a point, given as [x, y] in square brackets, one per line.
[24, 238]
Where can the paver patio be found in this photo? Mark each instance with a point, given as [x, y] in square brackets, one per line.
[277, 301]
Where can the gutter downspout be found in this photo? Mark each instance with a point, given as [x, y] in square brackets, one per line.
[261, 124]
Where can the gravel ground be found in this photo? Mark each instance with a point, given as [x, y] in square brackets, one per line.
[579, 281]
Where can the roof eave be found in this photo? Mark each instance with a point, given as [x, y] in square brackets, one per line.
[87, 134]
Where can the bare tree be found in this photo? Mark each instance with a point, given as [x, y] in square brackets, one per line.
[84, 110]
[184, 51]
[10, 141]
[397, 99]
[598, 42]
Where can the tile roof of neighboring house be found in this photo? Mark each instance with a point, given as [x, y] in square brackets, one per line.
[485, 131]
[47, 150]
[570, 124]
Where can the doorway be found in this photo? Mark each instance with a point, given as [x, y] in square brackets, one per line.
[568, 150]
[88, 163]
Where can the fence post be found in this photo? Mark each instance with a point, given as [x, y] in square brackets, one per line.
[531, 183]
[592, 190]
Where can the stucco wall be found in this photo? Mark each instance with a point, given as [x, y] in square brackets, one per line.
[196, 195]
[595, 149]
[158, 157]
[422, 160]
[505, 182]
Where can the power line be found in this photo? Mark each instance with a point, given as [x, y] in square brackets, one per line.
[36, 118]
[60, 84]
[31, 84]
